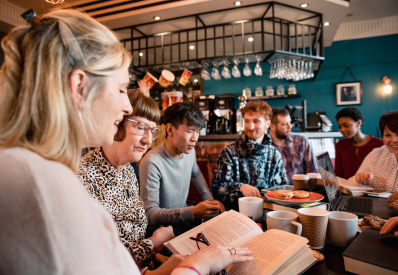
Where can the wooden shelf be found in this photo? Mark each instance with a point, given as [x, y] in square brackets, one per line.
[273, 97]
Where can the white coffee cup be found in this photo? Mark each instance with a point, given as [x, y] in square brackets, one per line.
[342, 228]
[252, 207]
[284, 220]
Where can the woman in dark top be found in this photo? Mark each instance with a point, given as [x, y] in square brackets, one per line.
[352, 150]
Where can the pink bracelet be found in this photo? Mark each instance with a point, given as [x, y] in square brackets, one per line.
[189, 267]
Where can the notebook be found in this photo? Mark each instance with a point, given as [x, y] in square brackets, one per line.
[360, 206]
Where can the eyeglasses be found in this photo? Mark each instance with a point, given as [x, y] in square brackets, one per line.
[141, 128]
[201, 241]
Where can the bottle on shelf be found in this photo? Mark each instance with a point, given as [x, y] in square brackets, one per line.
[259, 91]
[292, 89]
[281, 90]
[269, 91]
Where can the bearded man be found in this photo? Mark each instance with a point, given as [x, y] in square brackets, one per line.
[297, 153]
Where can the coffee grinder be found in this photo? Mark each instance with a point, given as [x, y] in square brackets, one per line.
[224, 109]
[206, 106]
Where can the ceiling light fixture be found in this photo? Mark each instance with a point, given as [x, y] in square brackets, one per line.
[192, 47]
[55, 1]
[195, 80]
[156, 17]
[304, 5]
[250, 39]
[140, 54]
[238, 3]
[326, 24]
[387, 88]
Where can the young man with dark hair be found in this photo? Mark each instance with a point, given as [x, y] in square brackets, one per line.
[166, 172]
[297, 153]
[250, 163]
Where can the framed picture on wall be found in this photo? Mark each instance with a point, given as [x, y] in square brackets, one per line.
[348, 93]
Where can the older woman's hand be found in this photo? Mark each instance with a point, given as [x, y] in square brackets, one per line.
[389, 226]
[160, 236]
[214, 258]
[364, 177]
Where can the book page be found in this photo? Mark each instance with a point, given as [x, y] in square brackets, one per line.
[353, 186]
[270, 251]
[228, 229]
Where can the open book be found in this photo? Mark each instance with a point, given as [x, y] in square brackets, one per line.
[274, 252]
[352, 188]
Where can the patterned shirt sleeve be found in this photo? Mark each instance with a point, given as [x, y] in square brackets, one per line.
[226, 178]
[279, 174]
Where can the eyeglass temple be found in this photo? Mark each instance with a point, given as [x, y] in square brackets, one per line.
[197, 240]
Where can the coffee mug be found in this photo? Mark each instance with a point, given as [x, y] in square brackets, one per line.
[300, 182]
[342, 228]
[315, 223]
[251, 207]
[284, 220]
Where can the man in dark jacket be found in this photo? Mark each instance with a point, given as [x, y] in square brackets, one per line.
[251, 162]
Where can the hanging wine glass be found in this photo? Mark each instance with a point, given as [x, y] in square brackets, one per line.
[258, 70]
[225, 71]
[246, 70]
[205, 75]
[310, 71]
[214, 72]
[235, 69]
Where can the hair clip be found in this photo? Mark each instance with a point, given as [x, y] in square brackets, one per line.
[29, 15]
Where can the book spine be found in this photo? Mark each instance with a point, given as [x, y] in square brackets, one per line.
[277, 207]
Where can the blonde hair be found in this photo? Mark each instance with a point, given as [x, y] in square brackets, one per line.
[36, 107]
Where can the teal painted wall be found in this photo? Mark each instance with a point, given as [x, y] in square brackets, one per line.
[369, 58]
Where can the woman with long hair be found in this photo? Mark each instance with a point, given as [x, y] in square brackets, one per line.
[62, 88]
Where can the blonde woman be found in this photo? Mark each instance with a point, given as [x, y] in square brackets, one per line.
[62, 88]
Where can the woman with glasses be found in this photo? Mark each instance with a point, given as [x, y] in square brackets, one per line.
[110, 179]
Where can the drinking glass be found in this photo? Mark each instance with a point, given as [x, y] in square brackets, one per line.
[246, 70]
[225, 72]
[235, 71]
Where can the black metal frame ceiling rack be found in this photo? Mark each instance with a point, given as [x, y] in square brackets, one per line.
[274, 37]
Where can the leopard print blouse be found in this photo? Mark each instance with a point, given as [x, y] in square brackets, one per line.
[118, 192]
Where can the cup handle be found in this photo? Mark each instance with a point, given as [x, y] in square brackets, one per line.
[328, 206]
[299, 227]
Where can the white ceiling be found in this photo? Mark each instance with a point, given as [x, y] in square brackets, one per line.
[358, 10]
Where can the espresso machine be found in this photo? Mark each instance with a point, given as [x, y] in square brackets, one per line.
[224, 109]
[206, 106]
